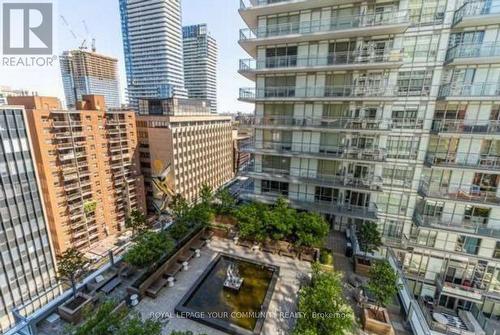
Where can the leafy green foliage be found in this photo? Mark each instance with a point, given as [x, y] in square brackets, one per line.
[311, 230]
[149, 248]
[369, 237]
[383, 283]
[136, 221]
[70, 266]
[280, 220]
[251, 221]
[206, 195]
[325, 310]
[179, 206]
[106, 321]
[89, 206]
[326, 257]
[225, 202]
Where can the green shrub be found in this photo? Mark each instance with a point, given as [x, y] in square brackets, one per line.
[326, 257]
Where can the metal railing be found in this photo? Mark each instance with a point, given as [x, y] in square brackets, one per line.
[311, 201]
[335, 58]
[469, 90]
[466, 159]
[474, 288]
[477, 225]
[315, 26]
[461, 192]
[473, 50]
[466, 126]
[369, 153]
[367, 182]
[475, 8]
[365, 123]
[318, 92]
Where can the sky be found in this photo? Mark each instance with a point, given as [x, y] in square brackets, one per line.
[102, 18]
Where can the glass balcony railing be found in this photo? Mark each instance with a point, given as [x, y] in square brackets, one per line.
[466, 126]
[318, 92]
[476, 8]
[465, 160]
[461, 192]
[368, 153]
[476, 50]
[245, 4]
[313, 202]
[365, 123]
[469, 90]
[330, 25]
[472, 224]
[332, 59]
[366, 182]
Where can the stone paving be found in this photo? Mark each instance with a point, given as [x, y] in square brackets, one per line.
[283, 301]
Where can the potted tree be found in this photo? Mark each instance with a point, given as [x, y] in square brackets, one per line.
[70, 268]
[311, 230]
[369, 240]
[136, 221]
[383, 286]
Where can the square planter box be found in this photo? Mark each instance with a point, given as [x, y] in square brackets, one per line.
[377, 324]
[72, 310]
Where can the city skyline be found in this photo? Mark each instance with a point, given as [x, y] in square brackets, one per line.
[105, 27]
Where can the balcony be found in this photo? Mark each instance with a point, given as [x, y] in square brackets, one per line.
[464, 127]
[306, 201]
[315, 93]
[461, 192]
[313, 177]
[465, 290]
[343, 27]
[478, 91]
[486, 163]
[478, 53]
[365, 124]
[350, 60]
[315, 150]
[477, 13]
[474, 225]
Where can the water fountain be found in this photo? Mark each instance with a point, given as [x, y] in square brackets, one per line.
[233, 279]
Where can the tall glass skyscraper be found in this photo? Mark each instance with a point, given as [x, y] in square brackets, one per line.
[27, 268]
[200, 64]
[152, 42]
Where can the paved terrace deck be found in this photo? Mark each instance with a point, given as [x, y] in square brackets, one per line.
[283, 300]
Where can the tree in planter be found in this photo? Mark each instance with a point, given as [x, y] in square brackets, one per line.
[311, 230]
[250, 221]
[226, 203]
[136, 221]
[324, 296]
[369, 238]
[206, 195]
[179, 206]
[280, 220]
[70, 267]
[383, 283]
[149, 248]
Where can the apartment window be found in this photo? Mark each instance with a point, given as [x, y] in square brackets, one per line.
[271, 186]
[326, 194]
[283, 24]
[403, 147]
[468, 244]
[278, 110]
[276, 163]
[283, 86]
[414, 83]
[281, 56]
[496, 253]
[332, 111]
[421, 48]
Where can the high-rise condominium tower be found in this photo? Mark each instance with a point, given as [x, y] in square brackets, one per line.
[87, 73]
[388, 112]
[27, 266]
[152, 42]
[87, 160]
[200, 64]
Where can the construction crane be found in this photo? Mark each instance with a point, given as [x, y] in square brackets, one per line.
[83, 44]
